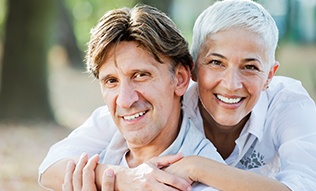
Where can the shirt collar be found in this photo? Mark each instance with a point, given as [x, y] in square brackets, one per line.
[253, 126]
[190, 100]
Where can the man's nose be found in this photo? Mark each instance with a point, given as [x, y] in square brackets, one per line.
[127, 95]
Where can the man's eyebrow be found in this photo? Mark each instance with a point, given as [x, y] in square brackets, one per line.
[252, 59]
[102, 78]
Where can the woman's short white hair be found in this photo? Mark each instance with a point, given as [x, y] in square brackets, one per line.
[228, 14]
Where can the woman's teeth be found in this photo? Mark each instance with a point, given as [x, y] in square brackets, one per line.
[228, 100]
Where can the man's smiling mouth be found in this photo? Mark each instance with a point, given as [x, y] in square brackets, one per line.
[135, 116]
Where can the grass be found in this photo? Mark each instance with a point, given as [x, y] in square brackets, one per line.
[22, 149]
[74, 96]
[23, 146]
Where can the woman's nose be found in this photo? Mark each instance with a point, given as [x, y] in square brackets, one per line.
[232, 80]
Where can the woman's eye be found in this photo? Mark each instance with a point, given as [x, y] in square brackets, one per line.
[215, 62]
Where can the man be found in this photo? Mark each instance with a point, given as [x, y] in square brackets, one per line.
[143, 65]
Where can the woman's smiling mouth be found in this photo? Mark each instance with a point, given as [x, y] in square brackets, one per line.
[228, 100]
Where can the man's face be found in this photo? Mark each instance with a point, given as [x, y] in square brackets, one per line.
[140, 94]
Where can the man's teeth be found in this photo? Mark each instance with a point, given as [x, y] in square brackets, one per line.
[228, 100]
[134, 116]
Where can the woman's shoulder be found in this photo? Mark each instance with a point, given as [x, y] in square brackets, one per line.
[286, 88]
[283, 82]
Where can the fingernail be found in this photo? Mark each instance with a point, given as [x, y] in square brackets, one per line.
[69, 164]
[109, 173]
[82, 155]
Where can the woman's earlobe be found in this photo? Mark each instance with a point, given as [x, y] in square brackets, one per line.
[271, 74]
[274, 69]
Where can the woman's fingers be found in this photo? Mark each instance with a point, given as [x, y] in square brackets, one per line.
[77, 175]
[88, 174]
[165, 161]
[168, 178]
[172, 181]
[147, 176]
[81, 177]
[67, 185]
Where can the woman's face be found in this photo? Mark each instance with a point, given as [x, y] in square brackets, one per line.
[231, 72]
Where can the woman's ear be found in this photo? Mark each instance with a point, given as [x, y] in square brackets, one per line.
[183, 75]
[272, 72]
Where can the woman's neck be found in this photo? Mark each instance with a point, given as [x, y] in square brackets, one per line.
[223, 137]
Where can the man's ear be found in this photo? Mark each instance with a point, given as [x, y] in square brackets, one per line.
[272, 72]
[183, 75]
[193, 75]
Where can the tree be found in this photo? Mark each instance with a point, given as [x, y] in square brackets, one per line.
[24, 87]
[66, 36]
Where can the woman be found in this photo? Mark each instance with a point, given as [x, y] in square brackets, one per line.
[259, 123]
[263, 126]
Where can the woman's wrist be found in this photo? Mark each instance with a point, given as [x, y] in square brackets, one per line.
[119, 172]
[194, 167]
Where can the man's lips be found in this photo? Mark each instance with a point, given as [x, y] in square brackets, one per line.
[134, 116]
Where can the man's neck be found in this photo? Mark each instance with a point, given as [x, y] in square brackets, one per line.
[137, 156]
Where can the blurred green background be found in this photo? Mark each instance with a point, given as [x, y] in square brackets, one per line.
[35, 36]
[44, 87]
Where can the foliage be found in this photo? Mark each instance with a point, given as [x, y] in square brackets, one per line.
[85, 15]
[2, 16]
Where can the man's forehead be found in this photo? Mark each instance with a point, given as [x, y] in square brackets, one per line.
[127, 59]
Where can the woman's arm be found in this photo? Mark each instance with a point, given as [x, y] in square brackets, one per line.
[147, 176]
[91, 137]
[82, 176]
[221, 176]
[53, 176]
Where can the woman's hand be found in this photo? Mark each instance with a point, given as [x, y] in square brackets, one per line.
[183, 168]
[150, 176]
[147, 176]
[81, 177]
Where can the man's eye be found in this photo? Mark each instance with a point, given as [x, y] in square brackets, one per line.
[251, 67]
[141, 75]
[110, 81]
